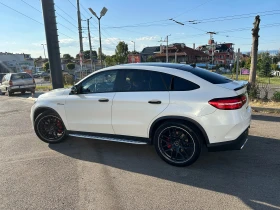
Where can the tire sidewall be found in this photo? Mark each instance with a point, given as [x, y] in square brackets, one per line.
[194, 134]
[37, 120]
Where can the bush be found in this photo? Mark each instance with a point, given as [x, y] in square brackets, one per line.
[276, 96]
[254, 91]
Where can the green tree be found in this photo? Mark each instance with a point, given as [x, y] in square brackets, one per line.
[67, 57]
[247, 63]
[70, 66]
[46, 66]
[110, 60]
[87, 54]
[263, 65]
[121, 53]
[151, 59]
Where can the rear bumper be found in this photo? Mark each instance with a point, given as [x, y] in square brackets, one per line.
[22, 88]
[236, 144]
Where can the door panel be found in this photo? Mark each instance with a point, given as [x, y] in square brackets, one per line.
[86, 113]
[132, 112]
[91, 109]
[142, 96]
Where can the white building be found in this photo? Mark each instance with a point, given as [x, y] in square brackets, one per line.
[10, 62]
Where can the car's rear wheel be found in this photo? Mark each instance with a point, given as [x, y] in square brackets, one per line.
[49, 127]
[177, 143]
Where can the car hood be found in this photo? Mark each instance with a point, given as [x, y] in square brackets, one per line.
[56, 92]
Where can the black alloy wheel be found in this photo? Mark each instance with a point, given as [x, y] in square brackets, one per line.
[177, 144]
[49, 127]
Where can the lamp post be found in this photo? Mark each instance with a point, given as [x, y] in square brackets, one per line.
[102, 13]
[134, 45]
[44, 50]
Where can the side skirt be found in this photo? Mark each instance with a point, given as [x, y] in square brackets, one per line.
[110, 137]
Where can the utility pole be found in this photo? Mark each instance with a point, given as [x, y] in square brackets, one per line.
[237, 63]
[90, 48]
[52, 43]
[254, 50]
[44, 50]
[212, 44]
[80, 36]
[134, 45]
[166, 40]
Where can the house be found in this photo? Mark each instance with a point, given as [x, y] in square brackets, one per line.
[148, 51]
[180, 53]
[222, 54]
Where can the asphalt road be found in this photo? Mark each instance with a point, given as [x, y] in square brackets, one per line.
[91, 174]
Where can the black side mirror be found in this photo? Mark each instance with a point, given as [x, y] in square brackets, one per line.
[74, 90]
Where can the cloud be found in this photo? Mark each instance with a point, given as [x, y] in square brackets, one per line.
[147, 38]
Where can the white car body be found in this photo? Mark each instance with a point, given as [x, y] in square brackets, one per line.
[130, 114]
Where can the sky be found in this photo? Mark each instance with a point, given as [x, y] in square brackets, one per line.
[145, 22]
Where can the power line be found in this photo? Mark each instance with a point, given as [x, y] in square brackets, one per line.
[65, 12]
[30, 17]
[72, 4]
[66, 20]
[21, 13]
[193, 8]
[31, 6]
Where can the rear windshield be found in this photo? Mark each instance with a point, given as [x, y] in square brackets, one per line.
[207, 75]
[20, 76]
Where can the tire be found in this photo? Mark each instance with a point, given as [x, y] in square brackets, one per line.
[10, 93]
[48, 123]
[23, 92]
[177, 144]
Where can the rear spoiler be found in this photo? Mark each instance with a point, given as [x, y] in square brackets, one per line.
[245, 84]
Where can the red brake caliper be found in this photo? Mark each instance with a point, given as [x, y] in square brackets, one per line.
[168, 143]
[59, 125]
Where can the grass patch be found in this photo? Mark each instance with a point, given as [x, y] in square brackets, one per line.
[48, 87]
[273, 80]
[265, 104]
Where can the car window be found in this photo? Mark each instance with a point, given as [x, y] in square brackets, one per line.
[180, 84]
[20, 76]
[143, 80]
[99, 83]
[207, 75]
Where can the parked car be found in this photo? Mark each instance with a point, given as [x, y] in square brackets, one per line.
[175, 107]
[1, 76]
[17, 82]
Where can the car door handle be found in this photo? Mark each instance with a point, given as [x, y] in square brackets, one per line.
[103, 100]
[154, 102]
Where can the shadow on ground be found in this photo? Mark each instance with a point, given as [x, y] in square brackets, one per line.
[251, 174]
[275, 118]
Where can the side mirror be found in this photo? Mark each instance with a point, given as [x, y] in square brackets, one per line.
[74, 90]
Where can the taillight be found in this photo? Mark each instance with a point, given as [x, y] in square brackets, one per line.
[229, 103]
[11, 83]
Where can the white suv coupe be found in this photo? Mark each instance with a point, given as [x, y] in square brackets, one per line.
[175, 107]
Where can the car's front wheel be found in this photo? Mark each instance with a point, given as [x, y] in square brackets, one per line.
[177, 143]
[49, 127]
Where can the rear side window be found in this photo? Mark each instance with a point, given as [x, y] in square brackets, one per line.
[180, 84]
[20, 76]
[144, 80]
[207, 75]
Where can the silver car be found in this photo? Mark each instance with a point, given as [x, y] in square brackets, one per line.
[17, 82]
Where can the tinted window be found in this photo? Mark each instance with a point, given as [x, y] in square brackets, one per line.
[207, 75]
[180, 84]
[99, 83]
[20, 76]
[142, 80]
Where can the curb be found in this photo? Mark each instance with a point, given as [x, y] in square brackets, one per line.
[264, 109]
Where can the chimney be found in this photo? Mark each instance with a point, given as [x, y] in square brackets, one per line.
[194, 46]
[160, 48]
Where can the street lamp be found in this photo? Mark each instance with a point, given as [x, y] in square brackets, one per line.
[102, 13]
[44, 50]
[134, 45]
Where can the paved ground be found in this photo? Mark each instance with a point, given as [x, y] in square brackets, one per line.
[90, 174]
